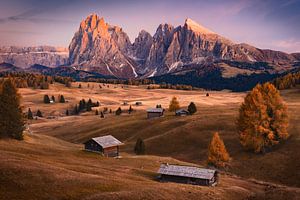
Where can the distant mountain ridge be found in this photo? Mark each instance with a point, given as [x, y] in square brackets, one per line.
[25, 57]
[98, 46]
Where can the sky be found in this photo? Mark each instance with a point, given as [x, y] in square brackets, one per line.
[267, 24]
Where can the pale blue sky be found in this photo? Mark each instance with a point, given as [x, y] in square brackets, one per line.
[271, 24]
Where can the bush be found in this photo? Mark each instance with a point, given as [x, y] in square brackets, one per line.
[39, 113]
[62, 99]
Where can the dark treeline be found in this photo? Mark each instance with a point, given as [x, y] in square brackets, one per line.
[36, 81]
[121, 81]
[288, 81]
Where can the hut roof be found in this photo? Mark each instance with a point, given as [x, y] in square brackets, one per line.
[107, 141]
[186, 171]
[182, 111]
[155, 110]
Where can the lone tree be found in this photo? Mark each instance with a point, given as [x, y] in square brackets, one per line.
[130, 110]
[101, 115]
[139, 148]
[11, 115]
[119, 111]
[39, 113]
[192, 108]
[53, 98]
[67, 112]
[46, 99]
[96, 112]
[217, 153]
[174, 104]
[62, 99]
[263, 119]
[29, 114]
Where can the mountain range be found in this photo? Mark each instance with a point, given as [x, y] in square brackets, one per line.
[187, 54]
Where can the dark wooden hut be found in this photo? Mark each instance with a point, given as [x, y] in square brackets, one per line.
[188, 174]
[155, 112]
[106, 145]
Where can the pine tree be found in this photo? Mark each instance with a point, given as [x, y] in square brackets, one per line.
[192, 108]
[101, 115]
[53, 98]
[89, 105]
[46, 99]
[263, 119]
[29, 114]
[119, 111]
[79, 86]
[39, 113]
[217, 153]
[130, 110]
[76, 110]
[11, 116]
[67, 112]
[174, 104]
[62, 99]
[139, 148]
[97, 112]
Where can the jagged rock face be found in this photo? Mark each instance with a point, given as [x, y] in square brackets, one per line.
[141, 46]
[25, 57]
[102, 48]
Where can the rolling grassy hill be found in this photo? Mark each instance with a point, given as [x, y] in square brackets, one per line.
[50, 162]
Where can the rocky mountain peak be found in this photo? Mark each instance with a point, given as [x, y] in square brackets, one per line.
[194, 26]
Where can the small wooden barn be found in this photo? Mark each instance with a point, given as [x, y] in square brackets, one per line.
[155, 112]
[106, 145]
[188, 174]
[181, 112]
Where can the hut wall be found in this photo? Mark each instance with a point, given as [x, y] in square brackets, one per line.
[91, 145]
[111, 151]
[153, 115]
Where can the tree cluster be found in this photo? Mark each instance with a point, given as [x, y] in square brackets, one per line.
[288, 81]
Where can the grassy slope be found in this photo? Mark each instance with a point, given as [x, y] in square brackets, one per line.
[185, 138]
[49, 167]
[42, 167]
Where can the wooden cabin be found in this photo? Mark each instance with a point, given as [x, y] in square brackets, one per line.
[155, 112]
[107, 145]
[188, 174]
[181, 112]
[138, 103]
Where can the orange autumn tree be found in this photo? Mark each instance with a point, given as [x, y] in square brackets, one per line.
[263, 119]
[217, 153]
[174, 104]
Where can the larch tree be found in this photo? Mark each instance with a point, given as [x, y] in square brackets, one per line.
[11, 115]
[217, 153]
[174, 104]
[29, 114]
[263, 119]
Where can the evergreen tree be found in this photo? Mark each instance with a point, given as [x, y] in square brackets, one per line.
[79, 86]
[11, 116]
[67, 112]
[119, 111]
[192, 108]
[97, 112]
[139, 148]
[46, 99]
[102, 115]
[89, 105]
[110, 111]
[39, 113]
[217, 153]
[130, 110]
[263, 119]
[62, 99]
[76, 110]
[174, 104]
[53, 98]
[29, 114]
